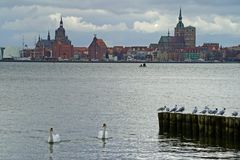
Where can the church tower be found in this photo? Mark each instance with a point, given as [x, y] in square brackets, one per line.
[60, 34]
[179, 29]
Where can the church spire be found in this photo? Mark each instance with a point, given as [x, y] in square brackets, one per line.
[48, 37]
[180, 24]
[61, 22]
[180, 15]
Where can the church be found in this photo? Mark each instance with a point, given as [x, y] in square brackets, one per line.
[59, 48]
[184, 37]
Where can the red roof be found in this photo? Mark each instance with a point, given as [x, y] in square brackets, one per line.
[101, 43]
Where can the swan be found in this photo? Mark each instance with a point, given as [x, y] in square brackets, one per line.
[103, 134]
[53, 138]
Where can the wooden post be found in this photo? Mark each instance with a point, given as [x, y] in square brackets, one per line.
[160, 119]
[195, 126]
[166, 122]
[188, 125]
[173, 124]
[179, 123]
[201, 125]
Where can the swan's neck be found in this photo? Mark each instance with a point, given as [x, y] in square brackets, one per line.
[50, 137]
[104, 132]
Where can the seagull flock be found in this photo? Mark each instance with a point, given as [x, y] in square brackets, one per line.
[206, 110]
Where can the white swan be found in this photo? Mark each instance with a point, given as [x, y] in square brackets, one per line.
[53, 138]
[103, 134]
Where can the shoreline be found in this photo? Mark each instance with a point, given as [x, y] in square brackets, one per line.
[138, 62]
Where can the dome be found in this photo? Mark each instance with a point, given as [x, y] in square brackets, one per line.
[180, 25]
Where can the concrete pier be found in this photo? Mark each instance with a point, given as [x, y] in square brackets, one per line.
[210, 129]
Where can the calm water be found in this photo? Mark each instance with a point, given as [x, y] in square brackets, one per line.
[75, 99]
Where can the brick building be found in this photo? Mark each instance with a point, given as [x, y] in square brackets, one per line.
[97, 50]
[184, 37]
[59, 48]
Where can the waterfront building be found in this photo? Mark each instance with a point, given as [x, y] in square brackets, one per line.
[80, 53]
[59, 48]
[187, 34]
[60, 34]
[97, 50]
[184, 37]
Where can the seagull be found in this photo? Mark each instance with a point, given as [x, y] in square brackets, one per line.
[215, 111]
[181, 109]
[161, 108]
[167, 109]
[235, 113]
[205, 110]
[194, 110]
[222, 111]
[174, 109]
[210, 111]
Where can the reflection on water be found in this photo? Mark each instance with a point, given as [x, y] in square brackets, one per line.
[50, 147]
[204, 141]
[104, 142]
[193, 149]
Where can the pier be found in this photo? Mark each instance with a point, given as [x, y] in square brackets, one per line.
[205, 129]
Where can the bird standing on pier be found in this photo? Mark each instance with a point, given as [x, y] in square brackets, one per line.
[161, 109]
[181, 109]
[221, 112]
[235, 113]
[194, 110]
[205, 110]
[174, 109]
[215, 111]
[167, 109]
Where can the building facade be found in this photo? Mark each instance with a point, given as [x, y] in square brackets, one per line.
[184, 37]
[59, 48]
[97, 50]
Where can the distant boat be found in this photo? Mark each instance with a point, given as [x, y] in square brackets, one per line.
[143, 65]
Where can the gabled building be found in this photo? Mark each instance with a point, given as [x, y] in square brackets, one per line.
[170, 43]
[97, 50]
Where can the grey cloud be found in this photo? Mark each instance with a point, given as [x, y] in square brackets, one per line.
[110, 13]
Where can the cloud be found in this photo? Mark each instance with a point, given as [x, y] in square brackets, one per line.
[154, 22]
[73, 23]
[147, 18]
[216, 25]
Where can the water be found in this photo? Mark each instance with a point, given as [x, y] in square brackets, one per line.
[76, 99]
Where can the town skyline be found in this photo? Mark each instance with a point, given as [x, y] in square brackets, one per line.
[130, 24]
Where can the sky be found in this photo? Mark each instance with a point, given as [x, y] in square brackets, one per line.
[118, 22]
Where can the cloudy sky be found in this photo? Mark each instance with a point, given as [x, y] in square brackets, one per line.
[118, 22]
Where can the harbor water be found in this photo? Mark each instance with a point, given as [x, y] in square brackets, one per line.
[77, 98]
